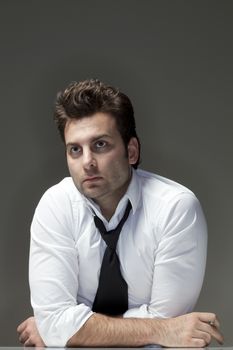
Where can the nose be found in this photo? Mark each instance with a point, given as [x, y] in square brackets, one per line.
[89, 160]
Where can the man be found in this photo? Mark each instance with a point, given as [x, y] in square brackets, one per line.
[87, 290]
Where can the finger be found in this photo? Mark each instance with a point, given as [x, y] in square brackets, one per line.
[215, 333]
[213, 323]
[216, 323]
[211, 330]
[206, 337]
[197, 343]
[37, 342]
[210, 318]
[206, 316]
[22, 326]
[21, 340]
[204, 327]
[23, 337]
[28, 342]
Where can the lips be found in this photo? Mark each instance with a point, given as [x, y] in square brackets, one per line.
[92, 179]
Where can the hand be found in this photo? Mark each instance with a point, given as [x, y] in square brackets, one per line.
[28, 333]
[196, 329]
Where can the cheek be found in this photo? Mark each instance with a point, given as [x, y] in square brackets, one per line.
[116, 169]
[69, 164]
[108, 164]
[116, 159]
[73, 168]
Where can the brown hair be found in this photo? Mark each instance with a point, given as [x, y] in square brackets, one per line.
[85, 98]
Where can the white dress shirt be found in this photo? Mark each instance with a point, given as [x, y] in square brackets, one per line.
[162, 252]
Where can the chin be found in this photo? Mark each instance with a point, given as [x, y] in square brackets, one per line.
[91, 194]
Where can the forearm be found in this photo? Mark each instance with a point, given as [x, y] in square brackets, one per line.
[100, 330]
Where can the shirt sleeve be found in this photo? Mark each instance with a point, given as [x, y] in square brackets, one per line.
[53, 272]
[180, 260]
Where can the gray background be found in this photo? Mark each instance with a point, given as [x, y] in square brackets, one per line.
[174, 59]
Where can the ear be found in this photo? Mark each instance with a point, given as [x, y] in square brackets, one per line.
[133, 150]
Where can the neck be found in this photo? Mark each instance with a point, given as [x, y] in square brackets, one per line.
[108, 209]
[108, 205]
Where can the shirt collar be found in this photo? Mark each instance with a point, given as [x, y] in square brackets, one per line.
[133, 192]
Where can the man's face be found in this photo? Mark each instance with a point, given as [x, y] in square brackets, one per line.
[97, 159]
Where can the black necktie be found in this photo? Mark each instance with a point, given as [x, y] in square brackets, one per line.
[112, 293]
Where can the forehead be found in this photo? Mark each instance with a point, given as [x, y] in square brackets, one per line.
[87, 128]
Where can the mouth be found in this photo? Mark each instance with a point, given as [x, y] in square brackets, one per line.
[92, 179]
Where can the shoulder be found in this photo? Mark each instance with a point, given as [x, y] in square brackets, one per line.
[61, 195]
[165, 197]
[58, 209]
[171, 206]
[161, 188]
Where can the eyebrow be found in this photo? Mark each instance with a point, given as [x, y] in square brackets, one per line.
[91, 140]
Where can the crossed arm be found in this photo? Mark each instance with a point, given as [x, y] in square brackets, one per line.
[190, 330]
[60, 310]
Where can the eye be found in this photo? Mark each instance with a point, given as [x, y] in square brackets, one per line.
[74, 150]
[100, 144]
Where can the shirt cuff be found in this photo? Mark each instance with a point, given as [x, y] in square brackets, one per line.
[58, 327]
[140, 312]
